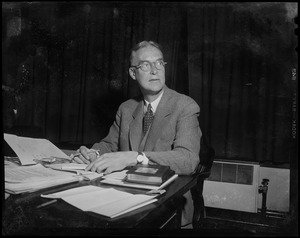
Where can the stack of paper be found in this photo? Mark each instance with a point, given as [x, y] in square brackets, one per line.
[104, 201]
[118, 178]
[31, 176]
[20, 179]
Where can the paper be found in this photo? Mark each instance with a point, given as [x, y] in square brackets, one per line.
[119, 181]
[119, 175]
[20, 179]
[26, 174]
[79, 169]
[69, 166]
[104, 201]
[28, 149]
[72, 191]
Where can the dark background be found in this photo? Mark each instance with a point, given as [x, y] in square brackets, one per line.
[65, 70]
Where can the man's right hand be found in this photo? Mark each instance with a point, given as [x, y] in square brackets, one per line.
[84, 155]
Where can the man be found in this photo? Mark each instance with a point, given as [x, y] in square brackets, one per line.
[174, 135]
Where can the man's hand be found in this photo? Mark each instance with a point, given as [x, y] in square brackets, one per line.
[84, 155]
[113, 161]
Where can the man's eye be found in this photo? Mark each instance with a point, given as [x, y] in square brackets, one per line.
[145, 65]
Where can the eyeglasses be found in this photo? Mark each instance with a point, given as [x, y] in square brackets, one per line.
[146, 66]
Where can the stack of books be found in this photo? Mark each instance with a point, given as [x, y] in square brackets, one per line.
[150, 177]
[149, 174]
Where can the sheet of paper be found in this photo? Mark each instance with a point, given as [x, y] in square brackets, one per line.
[17, 188]
[29, 178]
[119, 175]
[69, 166]
[76, 168]
[111, 209]
[32, 173]
[92, 200]
[72, 191]
[126, 184]
[28, 149]
[105, 201]
[113, 181]
[91, 175]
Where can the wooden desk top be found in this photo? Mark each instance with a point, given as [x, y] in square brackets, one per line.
[20, 215]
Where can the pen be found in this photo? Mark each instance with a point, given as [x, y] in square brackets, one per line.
[46, 203]
[90, 152]
[83, 176]
[76, 154]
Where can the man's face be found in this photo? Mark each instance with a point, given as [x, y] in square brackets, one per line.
[153, 81]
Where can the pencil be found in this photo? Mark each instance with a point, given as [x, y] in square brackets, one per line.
[46, 203]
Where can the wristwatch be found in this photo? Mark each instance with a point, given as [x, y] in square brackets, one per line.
[97, 152]
[141, 158]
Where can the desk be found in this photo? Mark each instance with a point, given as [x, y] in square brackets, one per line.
[21, 217]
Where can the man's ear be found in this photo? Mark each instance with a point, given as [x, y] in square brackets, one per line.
[132, 73]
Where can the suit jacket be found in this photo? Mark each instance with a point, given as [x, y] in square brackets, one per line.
[173, 138]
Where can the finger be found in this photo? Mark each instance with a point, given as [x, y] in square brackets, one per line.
[99, 166]
[92, 163]
[89, 166]
[78, 160]
[108, 171]
[84, 159]
[84, 152]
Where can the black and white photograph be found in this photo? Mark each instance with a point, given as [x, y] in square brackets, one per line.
[149, 118]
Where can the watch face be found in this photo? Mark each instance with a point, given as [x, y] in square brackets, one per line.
[140, 158]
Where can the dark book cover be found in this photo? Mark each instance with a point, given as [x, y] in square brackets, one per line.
[149, 174]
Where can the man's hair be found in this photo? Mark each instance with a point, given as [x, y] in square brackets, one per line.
[143, 44]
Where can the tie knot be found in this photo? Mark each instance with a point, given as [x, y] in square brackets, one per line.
[149, 108]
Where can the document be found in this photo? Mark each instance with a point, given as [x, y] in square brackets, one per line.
[118, 178]
[20, 179]
[104, 201]
[26, 174]
[28, 149]
[36, 157]
[68, 166]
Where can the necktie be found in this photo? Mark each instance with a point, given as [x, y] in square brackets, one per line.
[148, 118]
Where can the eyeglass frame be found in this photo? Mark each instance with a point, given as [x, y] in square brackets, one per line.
[152, 65]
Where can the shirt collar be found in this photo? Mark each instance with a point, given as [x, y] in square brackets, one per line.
[154, 104]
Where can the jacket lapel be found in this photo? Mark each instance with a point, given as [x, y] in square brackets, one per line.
[136, 126]
[160, 119]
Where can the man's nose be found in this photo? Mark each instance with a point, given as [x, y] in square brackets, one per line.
[153, 69]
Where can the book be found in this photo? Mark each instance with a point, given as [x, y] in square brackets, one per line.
[108, 202]
[149, 174]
